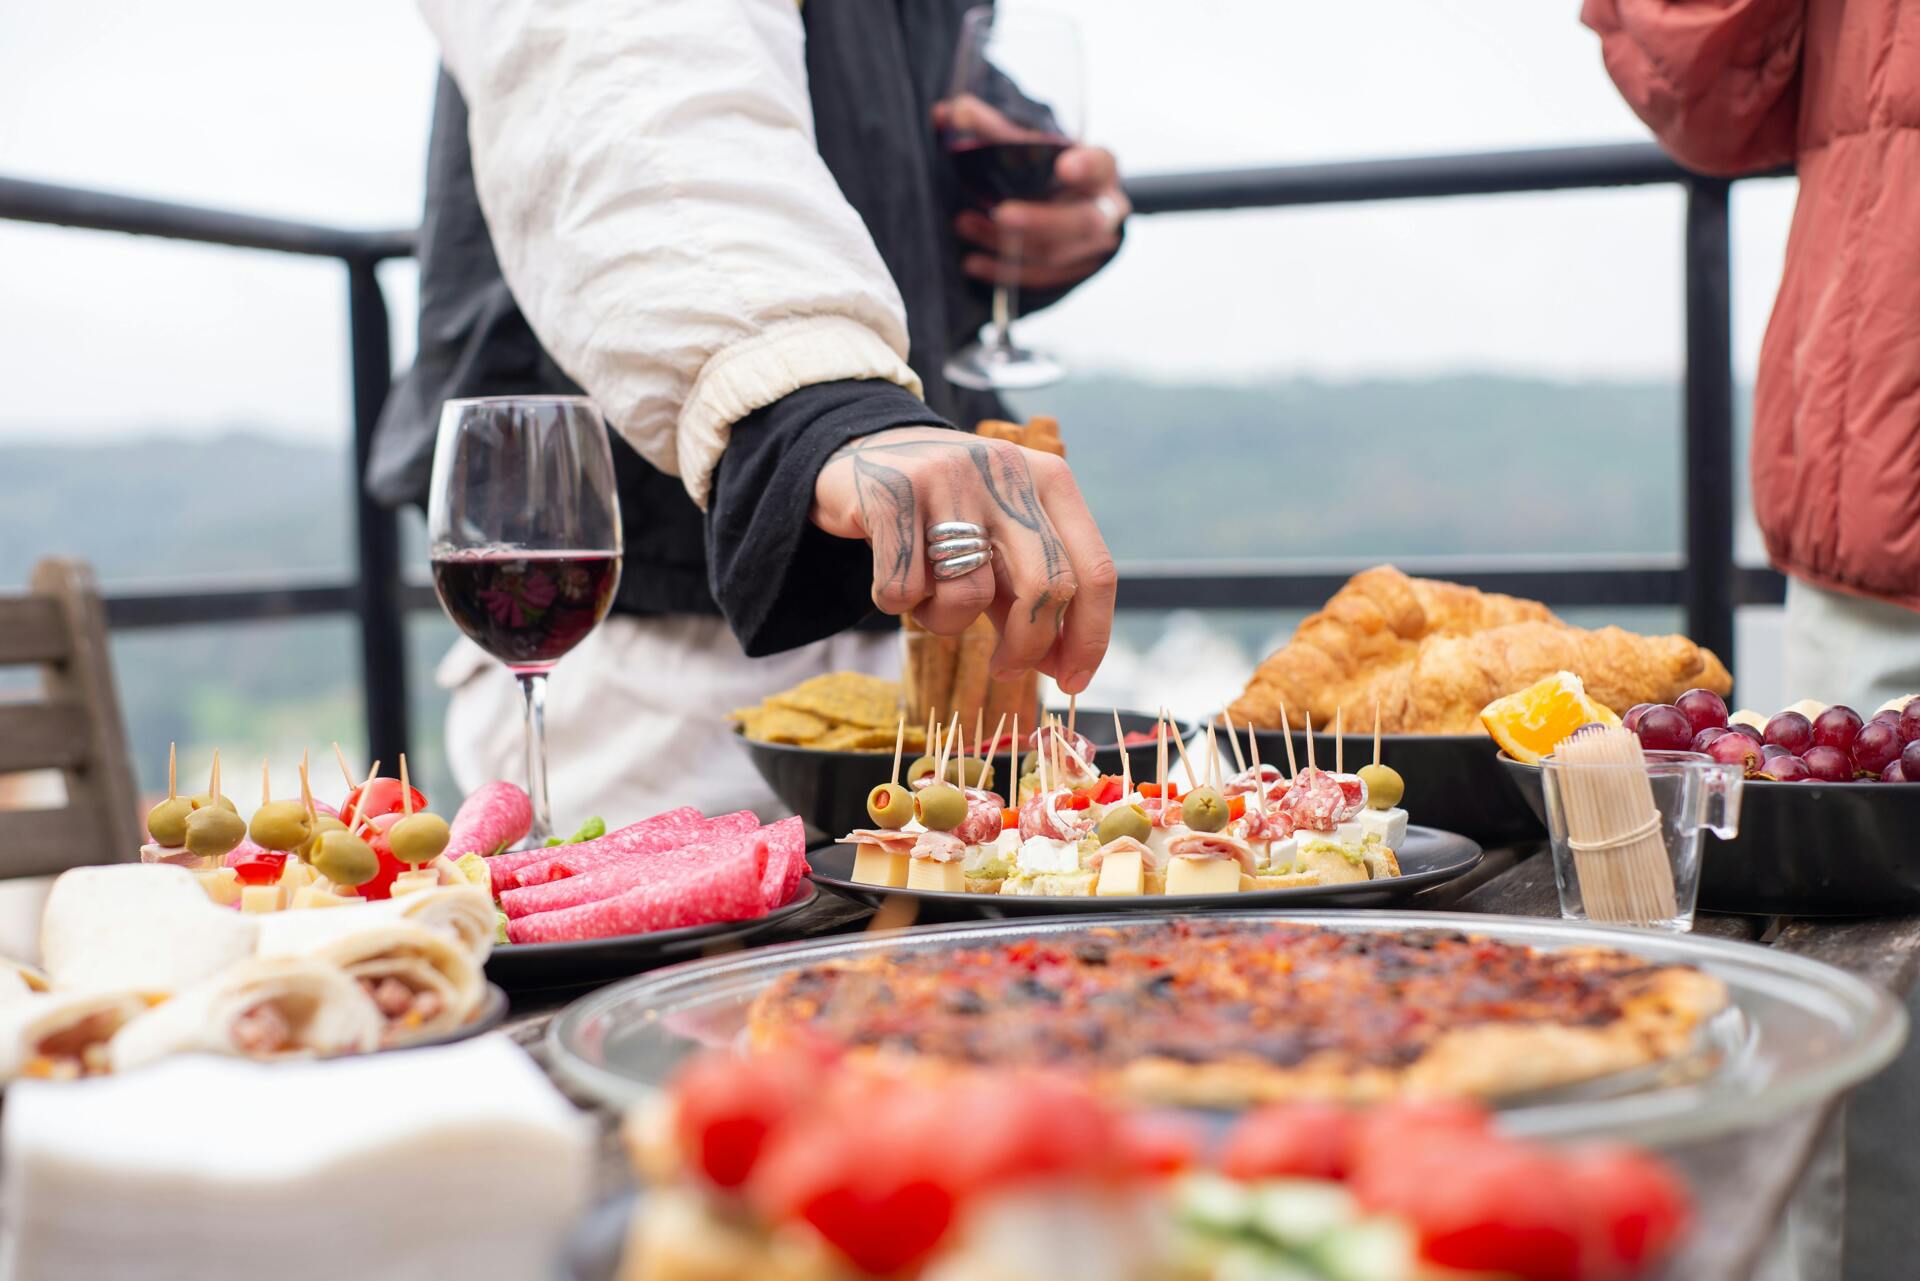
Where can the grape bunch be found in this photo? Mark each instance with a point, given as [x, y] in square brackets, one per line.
[1836, 746]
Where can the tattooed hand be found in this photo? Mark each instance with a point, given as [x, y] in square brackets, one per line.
[1049, 588]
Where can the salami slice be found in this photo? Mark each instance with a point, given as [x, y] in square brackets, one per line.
[504, 867]
[571, 860]
[1316, 802]
[492, 819]
[786, 860]
[617, 875]
[985, 817]
[724, 886]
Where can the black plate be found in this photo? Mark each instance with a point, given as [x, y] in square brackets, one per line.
[492, 1013]
[1804, 849]
[1427, 858]
[1454, 781]
[522, 965]
[828, 790]
[596, 1243]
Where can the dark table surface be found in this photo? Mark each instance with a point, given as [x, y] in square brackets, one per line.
[1746, 1184]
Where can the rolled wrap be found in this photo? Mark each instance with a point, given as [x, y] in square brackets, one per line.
[61, 1023]
[423, 959]
[143, 926]
[464, 913]
[325, 1011]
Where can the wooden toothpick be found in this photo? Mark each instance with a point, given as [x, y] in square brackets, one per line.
[1013, 764]
[1073, 711]
[1160, 737]
[1259, 775]
[213, 785]
[306, 787]
[1376, 731]
[1309, 716]
[1213, 759]
[979, 726]
[1185, 764]
[1286, 732]
[266, 782]
[899, 741]
[986, 746]
[406, 788]
[172, 749]
[1339, 743]
[345, 773]
[360, 808]
[1126, 764]
[1233, 741]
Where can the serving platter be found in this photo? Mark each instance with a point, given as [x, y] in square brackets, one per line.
[528, 965]
[1804, 849]
[1428, 857]
[1797, 1032]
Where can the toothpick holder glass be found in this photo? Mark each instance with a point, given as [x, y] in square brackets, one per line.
[1643, 866]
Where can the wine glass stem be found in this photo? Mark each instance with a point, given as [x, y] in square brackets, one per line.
[533, 688]
[1006, 301]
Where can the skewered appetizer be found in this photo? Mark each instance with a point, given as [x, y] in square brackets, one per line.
[1078, 832]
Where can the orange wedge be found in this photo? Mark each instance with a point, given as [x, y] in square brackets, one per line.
[1531, 723]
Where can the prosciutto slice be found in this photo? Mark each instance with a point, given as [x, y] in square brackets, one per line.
[940, 847]
[890, 841]
[1120, 845]
[1268, 780]
[1211, 845]
[1045, 815]
[1074, 753]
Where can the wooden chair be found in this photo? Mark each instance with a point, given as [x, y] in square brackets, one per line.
[73, 725]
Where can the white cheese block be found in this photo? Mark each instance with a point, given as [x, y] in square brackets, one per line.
[222, 885]
[872, 865]
[1044, 856]
[1281, 853]
[1203, 876]
[262, 898]
[1898, 704]
[1807, 707]
[943, 878]
[1121, 873]
[152, 1175]
[1389, 825]
[1350, 832]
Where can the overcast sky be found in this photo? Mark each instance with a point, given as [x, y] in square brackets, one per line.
[319, 111]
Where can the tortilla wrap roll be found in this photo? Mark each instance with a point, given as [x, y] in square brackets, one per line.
[142, 926]
[18, 979]
[464, 913]
[264, 1008]
[422, 981]
[62, 1035]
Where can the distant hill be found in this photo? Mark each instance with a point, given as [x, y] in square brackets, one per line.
[1295, 468]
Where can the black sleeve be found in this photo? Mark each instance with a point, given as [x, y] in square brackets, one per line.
[780, 581]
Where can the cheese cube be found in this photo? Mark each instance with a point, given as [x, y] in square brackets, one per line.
[1281, 854]
[262, 898]
[929, 874]
[413, 882]
[872, 865]
[1389, 825]
[296, 876]
[222, 885]
[1121, 873]
[321, 894]
[1350, 832]
[1203, 876]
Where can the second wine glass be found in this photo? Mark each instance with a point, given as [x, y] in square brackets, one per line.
[523, 529]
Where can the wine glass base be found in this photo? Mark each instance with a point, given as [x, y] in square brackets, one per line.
[978, 367]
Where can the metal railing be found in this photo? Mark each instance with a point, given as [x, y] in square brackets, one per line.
[1703, 580]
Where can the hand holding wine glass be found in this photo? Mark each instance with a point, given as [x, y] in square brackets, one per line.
[523, 527]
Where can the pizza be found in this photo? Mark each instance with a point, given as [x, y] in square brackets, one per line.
[1213, 1013]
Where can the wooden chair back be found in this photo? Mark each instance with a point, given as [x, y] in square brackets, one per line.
[72, 724]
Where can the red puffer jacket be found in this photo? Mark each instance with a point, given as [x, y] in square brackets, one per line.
[1736, 86]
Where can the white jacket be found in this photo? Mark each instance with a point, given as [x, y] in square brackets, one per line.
[648, 173]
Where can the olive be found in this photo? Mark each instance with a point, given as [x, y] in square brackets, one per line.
[167, 821]
[418, 838]
[1125, 820]
[281, 825]
[345, 859]
[1203, 810]
[1385, 787]
[970, 773]
[201, 800]
[890, 806]
[322, 824]
[923, 767]
[213, 832]
[941, 808]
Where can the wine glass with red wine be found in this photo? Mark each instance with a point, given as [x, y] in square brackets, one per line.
[1015, 103]
[523, 527]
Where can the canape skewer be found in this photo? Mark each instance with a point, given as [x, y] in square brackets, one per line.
[1259, 778]
[1233, 741]
[1286, 732]
[1126, 766]
[1376, 731]
[172, 793]
[986, 746]
[1013, 764]
[899, 741]
[1160, 737]
[1185, 764]
[1339, 744]
[406, 788]
[1309, 716]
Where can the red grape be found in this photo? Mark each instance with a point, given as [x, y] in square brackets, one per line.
[1885, 718]
[1706, 709]
[1736, 749]
[1665, 729]
[1910, 760]
[1837, 727]
[1786, 769]
[1876, 748]
[1893, 773]
[1749, 730]
[1828, 764]
[1771, 750]
[1706, 736]
[1909, 725]
[1790, 730]
[1632, 719]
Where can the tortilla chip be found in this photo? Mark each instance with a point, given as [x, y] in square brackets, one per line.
[851, 698]
[782, 725]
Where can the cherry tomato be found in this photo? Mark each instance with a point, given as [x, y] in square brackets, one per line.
[1159, 1144]
[1295, 1140]
[1639, 1208]
[383, 797]
[1500, 1207]
[262, 868]
[725, 1107]
[381, 886]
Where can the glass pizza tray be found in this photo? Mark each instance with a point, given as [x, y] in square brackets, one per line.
[1796, 1031]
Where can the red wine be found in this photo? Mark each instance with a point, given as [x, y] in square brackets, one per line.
[525, 608]
[994, 171]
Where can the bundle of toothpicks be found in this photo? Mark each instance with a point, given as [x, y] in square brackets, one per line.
[1614, 828]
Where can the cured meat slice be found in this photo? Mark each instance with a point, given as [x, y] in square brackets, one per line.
[786, 860]
[1269, 780]
[612, 875]
[490, 820]
[588, 856]
[504, 867]
[1120, 845]
[1318, 801]
[1043, 815]
[724, 886]
[940, 847]
[892, 841]
[1211, 845]
[985, 817]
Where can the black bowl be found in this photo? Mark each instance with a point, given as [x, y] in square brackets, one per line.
[1454, 781]
[828, 789]
[1804, 849]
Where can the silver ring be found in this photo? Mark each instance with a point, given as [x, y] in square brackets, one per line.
[961, 566]
[954, 548]
[955, 529]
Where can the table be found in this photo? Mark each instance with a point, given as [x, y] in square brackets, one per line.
[1747, 1185]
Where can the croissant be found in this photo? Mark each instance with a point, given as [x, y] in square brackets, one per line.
[1430, 655]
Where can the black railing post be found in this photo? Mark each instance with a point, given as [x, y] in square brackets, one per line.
[383, 666]
[1708, 478]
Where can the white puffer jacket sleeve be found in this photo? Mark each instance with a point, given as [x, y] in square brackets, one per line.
[648, 173]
